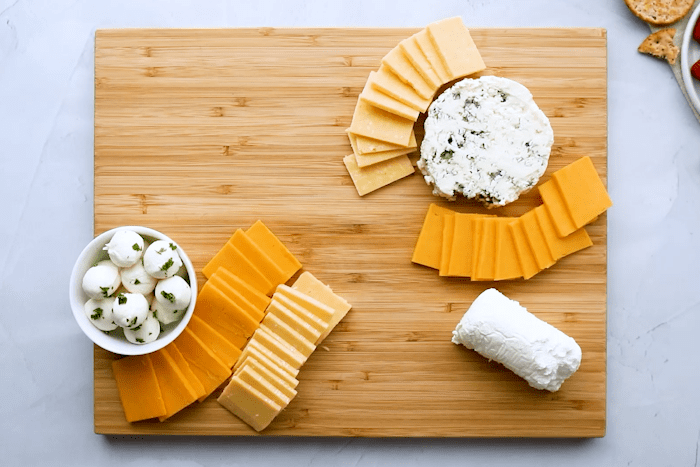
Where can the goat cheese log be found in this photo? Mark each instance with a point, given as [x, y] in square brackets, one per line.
[501, 329]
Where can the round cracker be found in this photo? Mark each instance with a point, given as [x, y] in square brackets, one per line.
[660, 12]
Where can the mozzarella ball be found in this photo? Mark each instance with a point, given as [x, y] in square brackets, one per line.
[161, 259]
[129, 309]
[99, 312]
[125, 248]
[136, 280]
[101, 280]
[174, 293]
[165, 314]
[145, 332]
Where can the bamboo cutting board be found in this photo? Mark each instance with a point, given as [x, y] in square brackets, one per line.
[201, 132]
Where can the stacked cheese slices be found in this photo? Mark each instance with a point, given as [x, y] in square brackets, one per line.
[381, 133]
[265, 377]
[487, 248]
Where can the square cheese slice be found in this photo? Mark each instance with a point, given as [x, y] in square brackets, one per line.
[399, 64]
[279, 347]
[373, 177]
[456, 48]
[507, 265]
[174, 353]
[256, 380]
[270, 376]
[206, 366]
[536, 239]
[215, 307]
[292, 320]
[225, 286]
[526, 258]
[288, 334]
[282, 363]
[274, 248]
[428, 249]
[560, 246]
[249, 404]
[252, 353]
[372, 146]
[375, 123]
[219, 345]
[302, 313]
[448, 232]
[431, 54]
[258, 257]
[385, 102]
[316, 307]
[176, 390]
[139, 392]
[387, 82]
[412, 51]
[372, 159]
[231, 258]
[556, 208]
[254, 296]
[314, 288]
[460, 264]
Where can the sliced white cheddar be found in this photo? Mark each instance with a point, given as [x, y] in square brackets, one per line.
[308, 284]
[387, 82]
[366, 145]
[379, 124]
[382, 101]
[371, 178]
[398, 63]
[249, 404]
[456, 48]
[428, 48]
[415, 55]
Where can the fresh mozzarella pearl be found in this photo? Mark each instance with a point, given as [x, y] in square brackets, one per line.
[144, 333]
[125, 248]
[164, 314]
[174, 293]
[101, 280]
[99, 312]
[136, 280]
[161, 259]
[130, 309]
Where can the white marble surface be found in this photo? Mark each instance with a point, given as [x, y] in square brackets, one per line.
[46, 175]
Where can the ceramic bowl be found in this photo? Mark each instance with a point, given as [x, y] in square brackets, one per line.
[690, 53]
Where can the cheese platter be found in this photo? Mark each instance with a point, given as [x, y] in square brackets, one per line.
[202, 132]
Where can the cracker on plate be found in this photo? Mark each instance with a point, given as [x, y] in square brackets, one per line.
[660, 12]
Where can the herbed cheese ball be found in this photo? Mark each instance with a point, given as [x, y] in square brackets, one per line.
[125, 248]
[101, 280]
[135, 279]
[99, 312]
[130, 309]
[144, 333]
[161, 259]
[173, 292]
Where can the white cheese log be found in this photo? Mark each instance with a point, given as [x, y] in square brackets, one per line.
[500, 329]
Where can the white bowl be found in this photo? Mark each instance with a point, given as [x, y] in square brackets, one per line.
[115, 341]
[690, 53]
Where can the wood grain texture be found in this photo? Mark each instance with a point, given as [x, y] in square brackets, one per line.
[201, 132]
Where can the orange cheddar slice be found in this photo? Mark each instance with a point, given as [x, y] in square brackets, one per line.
[138, 388]
[292, 320]
[485, 265]
[556, 208]
[526, 258]
[275, 325]
[257, 298]
[278, 346]
[560, 246]
[387, 82]
[319, 309]
[399, 64]
[251, 353]
[174, 353]
[301, 312]
[258, 257]
[372, 122]
[412, 51]
[314, 288]
[176, 391]
[582, 190]
[431, 54]
[536, 240]
[272, 356]
[208, 368]
[385, 102]
[229, 257]
[456, 48]
[219, 345]
[271, 377]
[507, 265]
[274, 248]
[214, 303]
[249, 404]
[428, 249]
[478, 226]
[256, 380]
[236, 297]
[461, 256]
[448, 232]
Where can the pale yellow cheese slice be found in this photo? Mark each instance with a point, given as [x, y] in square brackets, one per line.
[278, 346]
[431, 53]
[270, 377]
[314, 288]
[371, 159]
[275, 325]
[376, 123]
[256, 380]
[251, 353]
[249, 404]
[373, 177]
[294, 372]
[316, 307]
[456, 48]
[410, 48]
[382, 101]
[294, 321]
[387, 82]
[397, 62]
[302, 313]
[364, 145]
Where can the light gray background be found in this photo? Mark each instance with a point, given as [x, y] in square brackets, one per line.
[46, 179]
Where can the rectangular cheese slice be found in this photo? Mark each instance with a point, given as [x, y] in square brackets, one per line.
[507, 265]
[560, 246]
[215, 307]
[364, 160]
[456, 48]
[254, 296]
[273, 324]
[249, 404]
[536, 239]
[372, 122]
[302, 313]
[219, 345]
[256, 380]
[139, 392]
[387, 82]
[295, 322]
[276, 345]
[478, 228]
[316, 307]
[274, 248]
[526, 258]
[448, 232]
[231, 258]
[282, 363]
[556, 208]
[582, 190]
[460, 264]
[372, 146]
[176, 391]
[206, 366]
[274, 367]
[412, 51]
[258, 257]
[174, 353]
[270, 376]
[431, 54]
[223, 285]
[428, 249]
[485, 267]
[385, 102]
[314, 288]
[373, 177]
[399, 64]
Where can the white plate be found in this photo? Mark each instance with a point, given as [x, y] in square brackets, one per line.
[690, 53]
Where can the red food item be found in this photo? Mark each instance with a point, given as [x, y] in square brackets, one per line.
[695, 70]
[696, 31]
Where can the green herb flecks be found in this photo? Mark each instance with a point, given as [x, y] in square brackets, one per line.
[121, 298]
[136, 247]
[173, 247]
[96, 313]
[155, 314]
[168, 264]
[168, 296]
[137, 282]
[105, 291]
[161, 251]
[137, 327]
[140, 341]
[133, 321]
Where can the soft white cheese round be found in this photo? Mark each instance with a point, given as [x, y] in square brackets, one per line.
[144, 333]
[125, 248]
[101, 280]
[161, 259]
[99, 312]
[485, 139]
[129, 309]
[173, 292]
[165, 314]
[136, 280]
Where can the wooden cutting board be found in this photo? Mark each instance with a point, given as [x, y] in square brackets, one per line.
[201, 132]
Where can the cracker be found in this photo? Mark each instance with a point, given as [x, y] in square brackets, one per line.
[660, 45]
[660, 12]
